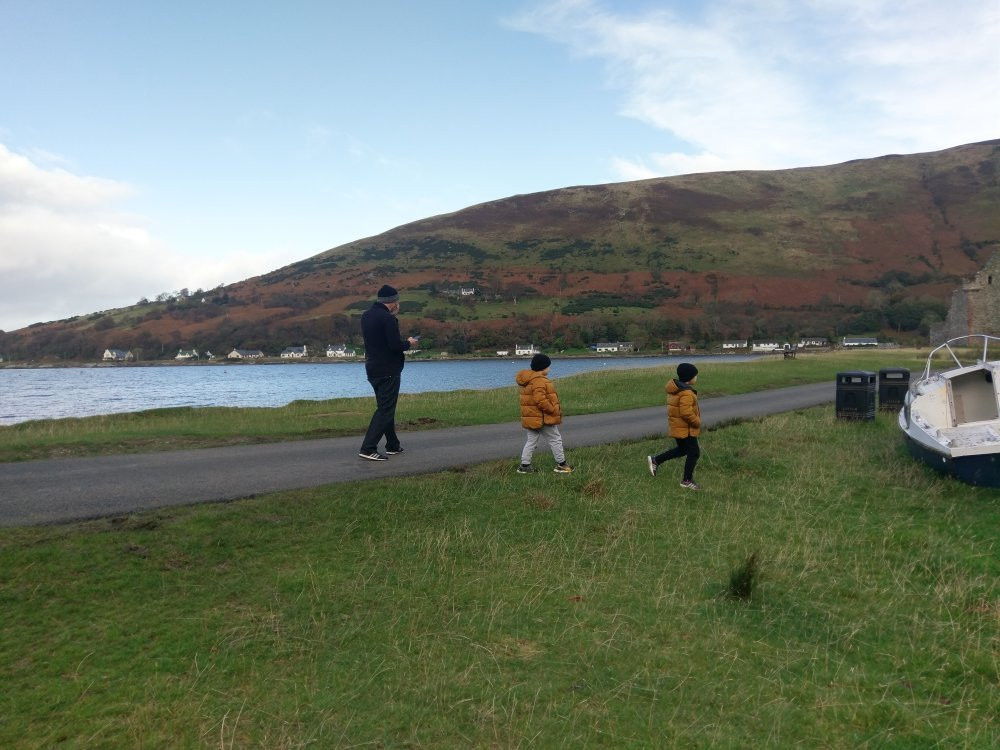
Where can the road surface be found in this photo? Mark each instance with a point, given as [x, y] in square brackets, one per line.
[62, 490]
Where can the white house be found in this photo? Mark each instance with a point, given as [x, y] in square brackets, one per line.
[187, 354]
[614, 346]
[526, 350]
[114, 355]
[734, 344]
[467, 291]
[806, 341]
[340, 350]
[246, 354]
[503, 352]
[765, 346]
[860, 341]
[294, 352]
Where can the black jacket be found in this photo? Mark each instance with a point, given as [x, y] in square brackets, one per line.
[383, 346]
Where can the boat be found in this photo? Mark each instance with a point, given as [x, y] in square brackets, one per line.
[950, 417]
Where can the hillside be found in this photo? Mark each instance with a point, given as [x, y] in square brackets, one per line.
[867, 246]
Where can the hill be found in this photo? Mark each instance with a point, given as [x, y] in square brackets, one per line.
[868, 246]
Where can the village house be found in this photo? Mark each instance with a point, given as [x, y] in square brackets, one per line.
[294, 352]
[503, 352]
[187, 354]
[734, 344]
[813, 341]
[765, 346]
[340, 350]
[526, 350]
[463, 291]
[116, 355]
[613, 346]
[246, 354]
[859, 341]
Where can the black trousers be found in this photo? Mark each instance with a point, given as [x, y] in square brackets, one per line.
[383, 421]
[687, 447]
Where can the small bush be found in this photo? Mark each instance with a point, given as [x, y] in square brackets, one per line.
[743, 579]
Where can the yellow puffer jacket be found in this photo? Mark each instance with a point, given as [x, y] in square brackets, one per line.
[683, 412]
[539, 400]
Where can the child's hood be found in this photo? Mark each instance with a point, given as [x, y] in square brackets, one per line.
[526, 376]
[675, 386]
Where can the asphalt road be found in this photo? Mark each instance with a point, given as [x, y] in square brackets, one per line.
[62, 490]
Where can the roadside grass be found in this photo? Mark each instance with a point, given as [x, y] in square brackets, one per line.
[587, 393]
[481, 608]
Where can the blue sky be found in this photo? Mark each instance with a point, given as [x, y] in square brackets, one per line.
[151, 146]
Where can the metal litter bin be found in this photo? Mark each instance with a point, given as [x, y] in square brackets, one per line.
[893, 382]
[856, 395]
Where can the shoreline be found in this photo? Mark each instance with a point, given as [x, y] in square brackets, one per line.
[360, 360]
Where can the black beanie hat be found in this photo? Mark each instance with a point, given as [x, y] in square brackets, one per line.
[686, 372]
[539, 362]
[387, 294]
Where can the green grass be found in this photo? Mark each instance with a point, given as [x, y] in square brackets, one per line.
[481, 608]
[611, 390]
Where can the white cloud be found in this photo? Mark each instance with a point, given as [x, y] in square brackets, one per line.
[65, 249]
[747, 84]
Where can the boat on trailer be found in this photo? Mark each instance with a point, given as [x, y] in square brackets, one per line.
[951, 417]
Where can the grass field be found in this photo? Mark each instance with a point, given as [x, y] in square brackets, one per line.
[481, 608]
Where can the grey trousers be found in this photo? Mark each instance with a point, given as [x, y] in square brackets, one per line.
[551, 433]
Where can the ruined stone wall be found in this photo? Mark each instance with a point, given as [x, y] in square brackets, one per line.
[975, 306]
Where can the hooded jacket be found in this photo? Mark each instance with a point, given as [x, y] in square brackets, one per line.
[539, 400]
[683, 412]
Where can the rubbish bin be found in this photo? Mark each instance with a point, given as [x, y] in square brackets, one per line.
[856, 395]
[893, 382]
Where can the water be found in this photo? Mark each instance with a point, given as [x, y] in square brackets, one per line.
[53, 393]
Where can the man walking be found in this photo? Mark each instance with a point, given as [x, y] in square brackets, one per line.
[383, 366]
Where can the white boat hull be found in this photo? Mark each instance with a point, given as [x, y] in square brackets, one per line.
[951, 420]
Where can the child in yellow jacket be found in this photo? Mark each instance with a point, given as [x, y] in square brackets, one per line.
[684, 417]
[541, 414]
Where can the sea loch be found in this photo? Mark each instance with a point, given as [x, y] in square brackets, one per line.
[53, 393]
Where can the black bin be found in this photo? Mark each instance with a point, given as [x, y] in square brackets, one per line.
[856, 395]
[893, 382]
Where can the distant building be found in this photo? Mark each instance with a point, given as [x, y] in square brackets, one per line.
[503, 352]
[294, 352]
[765, 346]
[734, 344]
[526, 350]
[813, 341]
[855, 341]
[614, 346]
[115, 355]
[464, 291]
[340, 350]
[187, 354]
[975, 306]
[246, 354]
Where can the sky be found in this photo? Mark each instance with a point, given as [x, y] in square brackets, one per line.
[148, 147]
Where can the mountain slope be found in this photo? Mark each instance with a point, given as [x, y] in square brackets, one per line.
[862, 246]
